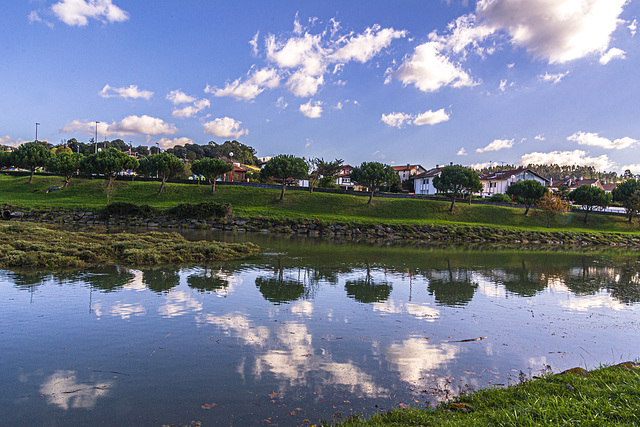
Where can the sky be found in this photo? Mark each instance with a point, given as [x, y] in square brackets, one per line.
[420, 82]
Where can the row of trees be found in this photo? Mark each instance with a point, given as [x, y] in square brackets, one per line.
[559, 172]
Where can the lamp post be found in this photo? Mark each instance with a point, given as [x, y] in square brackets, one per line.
[95, 141]
[37, 124]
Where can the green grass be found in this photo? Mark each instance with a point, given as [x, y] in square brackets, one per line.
[253, 202]
[609, 396]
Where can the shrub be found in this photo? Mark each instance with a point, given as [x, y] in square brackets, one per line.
[500, 198]
[204, 210]
[124, 209]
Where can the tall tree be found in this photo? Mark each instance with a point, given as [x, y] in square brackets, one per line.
[526, 192]
[30, 156]
[167, 165]
[65, 164]
[285, 167]
[321, 170]
[589, 197]
[372, 175]
[457, 180]
[211, 169]
[623, 193]
[109, 163]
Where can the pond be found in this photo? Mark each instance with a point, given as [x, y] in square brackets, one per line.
[306, 330]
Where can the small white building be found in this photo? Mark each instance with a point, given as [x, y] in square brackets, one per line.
[408, 171]
[423, 182]
[497, 183]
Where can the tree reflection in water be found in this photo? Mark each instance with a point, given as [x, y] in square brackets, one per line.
[209, 280]
[366, 290]
[161, 279]
[452, 287]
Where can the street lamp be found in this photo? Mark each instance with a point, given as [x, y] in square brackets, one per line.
[37, 124]
[95, 141]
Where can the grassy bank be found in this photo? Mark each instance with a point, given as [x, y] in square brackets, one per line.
[32, 245]
[609, 396]
[253, 202]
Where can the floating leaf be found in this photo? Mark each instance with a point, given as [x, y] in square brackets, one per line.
[273, 395]
[209, 405]
[403, 405]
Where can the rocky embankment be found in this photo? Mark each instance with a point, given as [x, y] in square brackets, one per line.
[454, 233]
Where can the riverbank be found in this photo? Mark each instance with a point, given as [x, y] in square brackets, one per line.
[606, 396]
[36, 246]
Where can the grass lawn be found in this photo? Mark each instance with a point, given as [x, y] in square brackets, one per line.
[252, 202]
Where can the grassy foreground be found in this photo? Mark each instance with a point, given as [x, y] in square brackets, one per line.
[252, 202]
[609, 396]
[32, 245]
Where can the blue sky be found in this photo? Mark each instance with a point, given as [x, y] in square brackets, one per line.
[427, 82]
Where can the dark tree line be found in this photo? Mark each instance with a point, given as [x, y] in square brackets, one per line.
[557, 172]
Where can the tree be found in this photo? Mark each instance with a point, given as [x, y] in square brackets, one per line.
[5, 159]
[552, 204]
[211, 169]
[321, 169]
[31, 155]
[589, 197]
[65, 164]
[372, 175]
[109, 163]
[457, 180]
[526, 192]
[623, 192]
[167, 165]
[285, 167]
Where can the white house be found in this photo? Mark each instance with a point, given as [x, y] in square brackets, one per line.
[498, 182]
[408, 171]
[344, 179]
[423, 182]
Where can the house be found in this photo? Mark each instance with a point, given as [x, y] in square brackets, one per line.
[590, 182]
[557, 183]
[609, 186]
[423, 182]
[344, 178]
[498, 182]
[408, 171]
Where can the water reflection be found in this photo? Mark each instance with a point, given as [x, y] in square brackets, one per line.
[63, 389]
[366, 291]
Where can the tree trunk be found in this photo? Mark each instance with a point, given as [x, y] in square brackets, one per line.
[585, 216]
[548, 221]
[162, 185]
[213, 185]
[66, 182]
[284, 187]
[31, 176]
[370, 197]
[526, 211]
[453, 202]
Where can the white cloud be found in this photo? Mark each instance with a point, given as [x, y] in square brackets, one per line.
[166, 143]
[178, 97]
[131, 92]
[633, 27]
[635, 168]
[553, 78]
[130, 125]
[35, 17]
[503, 85]
[77, 12]
[461, 152]
[191, 110]
[498, 144]
[252, 86]
[429, 70]
[365, 46]
[281, 103]
[312, 109]
[302, 84]
[539, 138]
[556, 30]
[7, 140]
[63, 389]
[568, 158]
[429, 117]
[225, 127]
[480, 166]
[593, 139]
[613, 53]
[254, 43]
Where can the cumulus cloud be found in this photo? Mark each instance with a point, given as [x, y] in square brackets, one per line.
[429, 117]
[558, 31]
[78, 12]
[461, 152]
[131, 92]
[553, 78]
[301, 60]
[225, 127]
[281, 103]
[252, 86]
[191, 110]
[567, 158]
[633, 27]
[312, 109]
[166, 143]
[595, 140]
[634, 168]
[8, 141]
[539, 138]
[498, 144]
[613, 53]
[178, 97]
[130, 125]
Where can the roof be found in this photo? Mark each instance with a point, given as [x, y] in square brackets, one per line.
[406, 168]
[508, 174]
[430, 173]
[609, 187]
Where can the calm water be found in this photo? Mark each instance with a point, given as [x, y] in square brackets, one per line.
[307, 330]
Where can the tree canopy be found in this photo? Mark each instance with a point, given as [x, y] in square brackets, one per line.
[624, 193]
[109, 163]
[65, 164]
[30, 156]
[285, 167]
[457, 180]
[589, 197]
[552, 204]
[241, 153]
[527, 192]
[167, 165]
[373, 175]
[321, 169]
[211, 169]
